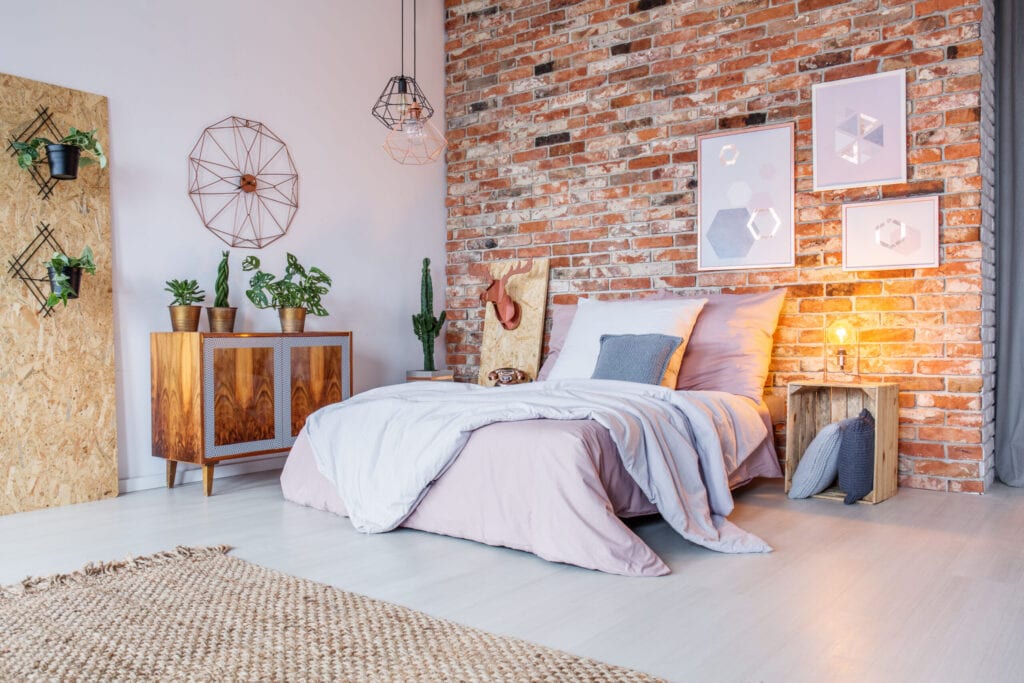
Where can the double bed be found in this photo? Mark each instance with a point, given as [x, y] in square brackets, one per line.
[553, 468]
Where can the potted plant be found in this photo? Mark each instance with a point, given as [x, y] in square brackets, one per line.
[66, 275]
[221, 315]
[65, 155]
[184, 312]
[426, 326]
[298, 292]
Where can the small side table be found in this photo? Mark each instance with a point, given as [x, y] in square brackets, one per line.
[813, 405]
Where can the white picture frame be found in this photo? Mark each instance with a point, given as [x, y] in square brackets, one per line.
[745, 202]
[859, 131]
[891, 234]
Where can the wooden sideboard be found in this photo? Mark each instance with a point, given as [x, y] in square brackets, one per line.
[222, 396]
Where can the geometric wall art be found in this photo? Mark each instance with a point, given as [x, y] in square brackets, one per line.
[899, 233]
[745, 199]
[243, 183]
[859, 128]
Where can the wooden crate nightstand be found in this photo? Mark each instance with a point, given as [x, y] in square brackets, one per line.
[812, 405]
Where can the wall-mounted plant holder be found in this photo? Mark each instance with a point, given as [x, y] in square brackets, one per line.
[41, 125]
[20, 264]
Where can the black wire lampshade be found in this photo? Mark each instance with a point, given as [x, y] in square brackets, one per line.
[399, 94]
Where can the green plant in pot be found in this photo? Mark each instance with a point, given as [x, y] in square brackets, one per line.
[221, 315]
[184, 311]
[64, 156]
[66, 275]
[297, 292]
[424, 324]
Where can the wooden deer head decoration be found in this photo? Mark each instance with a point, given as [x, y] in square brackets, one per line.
[506, 310]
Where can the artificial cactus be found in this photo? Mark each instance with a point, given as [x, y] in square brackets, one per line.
[221, 287]
[424, 324]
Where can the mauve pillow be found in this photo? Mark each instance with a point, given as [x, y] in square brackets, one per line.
[643, 358]
[561, 320]
[730, 347]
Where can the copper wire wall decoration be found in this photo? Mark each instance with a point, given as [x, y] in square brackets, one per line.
[41, 126]
[20, 266]
[243, 182]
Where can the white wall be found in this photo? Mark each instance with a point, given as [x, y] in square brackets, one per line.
[310, 71]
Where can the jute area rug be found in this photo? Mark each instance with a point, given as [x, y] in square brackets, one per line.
[198, 614]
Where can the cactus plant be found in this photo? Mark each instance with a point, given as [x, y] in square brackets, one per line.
[424, 324]
[221, 286]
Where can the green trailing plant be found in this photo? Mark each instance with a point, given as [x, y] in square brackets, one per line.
[299, 287]
[28, 152]
[61, 263]
[186, 292]
[424, 324]
[220, 288]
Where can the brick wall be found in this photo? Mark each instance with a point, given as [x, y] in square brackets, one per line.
[572, 131]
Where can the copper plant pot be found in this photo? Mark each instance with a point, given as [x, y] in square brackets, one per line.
[292, 319]
[221, 318]
[185, 318]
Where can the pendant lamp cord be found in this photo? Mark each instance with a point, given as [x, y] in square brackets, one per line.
[413, 39]
[401, 38]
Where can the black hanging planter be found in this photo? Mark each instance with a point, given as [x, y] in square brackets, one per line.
[74, 275]
[63, 160]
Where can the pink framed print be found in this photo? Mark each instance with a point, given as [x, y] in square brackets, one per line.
[859, 129]
[898, 233]
[745, 199]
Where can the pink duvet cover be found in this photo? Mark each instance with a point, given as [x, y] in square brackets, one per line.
[555, 488]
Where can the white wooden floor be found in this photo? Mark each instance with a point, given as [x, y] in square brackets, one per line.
[923, 587]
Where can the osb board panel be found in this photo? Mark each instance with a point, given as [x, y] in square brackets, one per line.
[519, 348]
[58, 438]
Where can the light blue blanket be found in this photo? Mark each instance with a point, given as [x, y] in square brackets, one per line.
[383, 448]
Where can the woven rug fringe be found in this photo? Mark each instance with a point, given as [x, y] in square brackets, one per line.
[37, 584]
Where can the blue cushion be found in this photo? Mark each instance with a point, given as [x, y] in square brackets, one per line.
[819, 464]
[857, 457]
[643, 358]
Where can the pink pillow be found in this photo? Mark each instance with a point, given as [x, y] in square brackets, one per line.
[561, 320]
[730, 348]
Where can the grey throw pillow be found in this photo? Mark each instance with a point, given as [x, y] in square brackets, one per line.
[643, 358]
[819, 464]
[857, 457]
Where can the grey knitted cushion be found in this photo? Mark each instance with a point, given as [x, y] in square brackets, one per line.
[635, 357]
[818, 465]
[857, 457]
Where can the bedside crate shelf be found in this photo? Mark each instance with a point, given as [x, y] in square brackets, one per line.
[812, 405]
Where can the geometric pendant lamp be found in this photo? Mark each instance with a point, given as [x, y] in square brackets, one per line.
[404, 110]
[243, 183]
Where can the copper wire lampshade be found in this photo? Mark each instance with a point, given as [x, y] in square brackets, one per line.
[404, 109]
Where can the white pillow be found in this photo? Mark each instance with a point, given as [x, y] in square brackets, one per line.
[674, 317]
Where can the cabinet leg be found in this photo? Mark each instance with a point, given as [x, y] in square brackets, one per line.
[208, 479]
[172, 469]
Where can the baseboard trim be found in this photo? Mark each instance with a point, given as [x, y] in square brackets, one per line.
[190, 473]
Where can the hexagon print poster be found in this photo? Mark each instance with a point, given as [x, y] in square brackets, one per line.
[896, 233]
[859, 128]
[745, 199]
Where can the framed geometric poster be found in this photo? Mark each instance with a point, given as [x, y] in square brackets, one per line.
[900, 233]
[745, 199]
[859, 127]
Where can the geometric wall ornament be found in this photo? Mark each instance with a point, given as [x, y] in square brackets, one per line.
[243, 183]
[858, 137]
[859, 131]
[898, 233]
[745, 198]
[729, 235]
